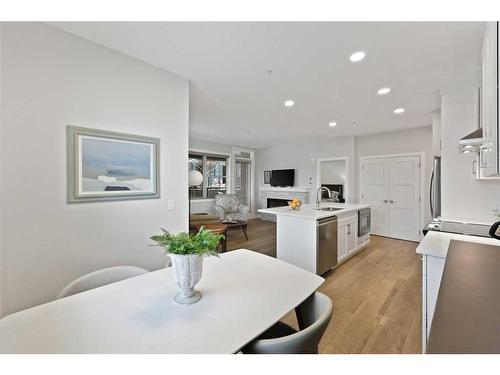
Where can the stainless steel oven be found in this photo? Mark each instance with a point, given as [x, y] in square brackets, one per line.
[364, 221]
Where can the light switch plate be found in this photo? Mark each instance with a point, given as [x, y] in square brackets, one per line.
[171, 204]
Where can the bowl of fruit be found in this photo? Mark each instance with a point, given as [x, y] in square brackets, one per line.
[295, 204]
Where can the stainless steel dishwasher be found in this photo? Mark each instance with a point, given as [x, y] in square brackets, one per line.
[326, 244]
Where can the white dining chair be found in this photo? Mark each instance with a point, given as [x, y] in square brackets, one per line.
[313, 316]
[100, 278]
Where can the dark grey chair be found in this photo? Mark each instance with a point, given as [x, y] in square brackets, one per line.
[313, 316]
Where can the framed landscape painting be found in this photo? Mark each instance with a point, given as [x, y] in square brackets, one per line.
[104, 166]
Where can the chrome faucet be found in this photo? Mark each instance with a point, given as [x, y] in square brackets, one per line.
[318, 197]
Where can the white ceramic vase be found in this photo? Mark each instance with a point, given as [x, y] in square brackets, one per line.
[187, 271]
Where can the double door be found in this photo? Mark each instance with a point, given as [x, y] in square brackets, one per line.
[391, 187]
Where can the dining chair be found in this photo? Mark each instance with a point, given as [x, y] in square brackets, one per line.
[100, 278]
[313, 316]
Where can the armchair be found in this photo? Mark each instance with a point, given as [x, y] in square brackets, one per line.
[228, 207]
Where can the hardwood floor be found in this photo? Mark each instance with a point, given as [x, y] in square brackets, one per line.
[376, 294]
[261, 237]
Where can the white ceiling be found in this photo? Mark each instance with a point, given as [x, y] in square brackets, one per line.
[233, 98]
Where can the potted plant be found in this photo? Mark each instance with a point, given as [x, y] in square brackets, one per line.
[186, 252]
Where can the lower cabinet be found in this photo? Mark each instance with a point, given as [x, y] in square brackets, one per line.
[347, 235]
[432, 271]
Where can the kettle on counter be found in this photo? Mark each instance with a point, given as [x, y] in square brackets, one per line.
[493, 230]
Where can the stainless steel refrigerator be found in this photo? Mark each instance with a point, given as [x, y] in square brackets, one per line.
[435, 188]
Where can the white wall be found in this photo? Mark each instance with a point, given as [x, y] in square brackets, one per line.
[400, 142]
[303, 158]
[463, 197]
[51, 79]
[333, 172]
[215, 147]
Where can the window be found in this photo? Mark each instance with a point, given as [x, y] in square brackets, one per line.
[214, 171]
[195, 163]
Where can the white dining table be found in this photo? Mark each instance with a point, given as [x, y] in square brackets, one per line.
[243, 294]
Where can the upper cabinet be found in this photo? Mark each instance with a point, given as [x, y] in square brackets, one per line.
[489, 152]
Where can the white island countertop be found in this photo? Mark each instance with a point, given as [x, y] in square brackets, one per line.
[309, 211]
[436, 243]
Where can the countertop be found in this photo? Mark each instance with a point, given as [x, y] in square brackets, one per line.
[243, 294]
[309, 211]
[437, 243]
[467, 319]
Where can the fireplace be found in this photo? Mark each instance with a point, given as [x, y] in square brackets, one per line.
[275, 202]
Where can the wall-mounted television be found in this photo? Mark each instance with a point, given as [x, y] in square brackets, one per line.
[282, 177]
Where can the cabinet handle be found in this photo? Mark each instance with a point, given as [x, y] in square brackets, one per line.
[482, 150]
[386, 201]
[348, 228]
[392, 201]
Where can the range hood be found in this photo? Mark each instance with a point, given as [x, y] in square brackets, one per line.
[471, 142]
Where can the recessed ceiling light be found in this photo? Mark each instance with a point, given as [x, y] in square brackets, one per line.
[384, 91]
[332, 124]
[357, 56]
[399, 110]
[289, 103]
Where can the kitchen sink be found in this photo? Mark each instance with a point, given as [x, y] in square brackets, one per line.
[329, 209]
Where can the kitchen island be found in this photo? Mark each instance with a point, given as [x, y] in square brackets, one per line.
[317, 240]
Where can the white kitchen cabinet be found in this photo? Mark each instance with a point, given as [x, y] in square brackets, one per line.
[347, 233]
[489, 151]
[432, 271]
[351, 235]
[341, 241]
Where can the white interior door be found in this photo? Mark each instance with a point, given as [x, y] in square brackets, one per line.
[391, 187]
[404, 196]
[375, 193]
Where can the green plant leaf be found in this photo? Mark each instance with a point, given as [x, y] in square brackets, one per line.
[204, 242]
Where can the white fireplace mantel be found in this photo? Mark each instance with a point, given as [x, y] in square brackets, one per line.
[297, 189]
[285, 193]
